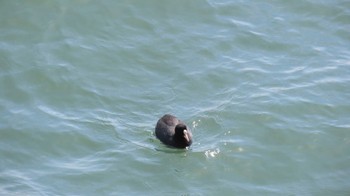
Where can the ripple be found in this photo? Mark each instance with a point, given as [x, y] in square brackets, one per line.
[57, 114]
[212, 153]
[20, 183]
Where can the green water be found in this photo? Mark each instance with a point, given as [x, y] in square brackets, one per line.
[264, 85]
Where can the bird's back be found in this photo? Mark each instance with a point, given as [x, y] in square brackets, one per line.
[165, 128]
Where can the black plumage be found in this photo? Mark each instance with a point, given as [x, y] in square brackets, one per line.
[173, 132]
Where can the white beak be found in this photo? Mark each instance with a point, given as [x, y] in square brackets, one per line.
[186, 135]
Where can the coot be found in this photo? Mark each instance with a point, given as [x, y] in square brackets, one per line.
[172, 132]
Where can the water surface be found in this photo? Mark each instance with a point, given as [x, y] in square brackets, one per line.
[264, 86]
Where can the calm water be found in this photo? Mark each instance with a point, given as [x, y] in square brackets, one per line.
[263, 84]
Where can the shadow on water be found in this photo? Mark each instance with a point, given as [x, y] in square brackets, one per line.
[171, 150]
